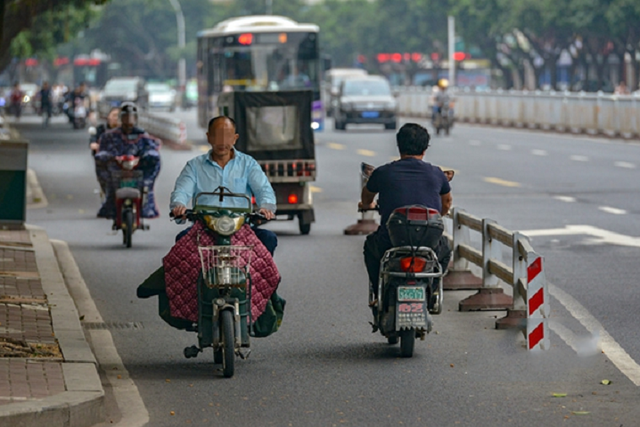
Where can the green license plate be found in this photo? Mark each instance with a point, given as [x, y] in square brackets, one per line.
[129, 183]
[411, 293]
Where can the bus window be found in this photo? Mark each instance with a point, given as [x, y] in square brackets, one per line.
[273, 128]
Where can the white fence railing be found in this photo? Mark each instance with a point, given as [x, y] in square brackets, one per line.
[169, 130]
[528, 307]
[591, 113]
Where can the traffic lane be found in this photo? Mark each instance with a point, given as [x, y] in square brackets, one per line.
[326, 363]
[517, 210]
[139, 351]
[554, 160]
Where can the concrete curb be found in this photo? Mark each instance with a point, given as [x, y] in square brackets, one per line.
[82, 405]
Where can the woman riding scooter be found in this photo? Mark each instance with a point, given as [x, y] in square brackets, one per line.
[113, 121]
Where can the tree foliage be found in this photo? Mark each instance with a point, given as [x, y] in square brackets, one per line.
[518, 37]
[37, 26]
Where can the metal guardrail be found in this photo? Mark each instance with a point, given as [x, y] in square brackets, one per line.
[166, 128]
[528, 306]
[592, 113]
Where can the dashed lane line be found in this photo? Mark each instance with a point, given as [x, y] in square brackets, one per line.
[567, 199]
[503, 147]
[539, 153]
[474, 142]
[615, 211]
[625, 165]
[504, 183]
[577, 158]
[367, 153]
[315, 189]
[336, 146]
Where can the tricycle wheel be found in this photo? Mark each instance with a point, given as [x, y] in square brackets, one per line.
[407, 342]
[228, 347]
[128, 227]
[305, 227]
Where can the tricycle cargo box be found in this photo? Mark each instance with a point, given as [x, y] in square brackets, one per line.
[272, 125]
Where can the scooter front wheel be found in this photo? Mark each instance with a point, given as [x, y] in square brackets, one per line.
[228, 347]
[127, 220]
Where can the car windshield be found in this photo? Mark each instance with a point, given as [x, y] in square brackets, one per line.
[120, 86]
[158, 87]
[366, 87]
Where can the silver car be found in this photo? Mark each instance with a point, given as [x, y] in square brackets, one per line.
[365, 100]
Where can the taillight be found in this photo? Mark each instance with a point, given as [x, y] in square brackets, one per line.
[293, 199]
[413, 264]
[253, 200]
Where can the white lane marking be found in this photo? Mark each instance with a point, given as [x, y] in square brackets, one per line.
[577, 158]
[602, 236]
[567, 199]
[125, 391]
[503, 182]
[539, 153]
[609, 346]
[367, 153]
[615, 211]
[503, 147]
[474, 142]
[625, 165]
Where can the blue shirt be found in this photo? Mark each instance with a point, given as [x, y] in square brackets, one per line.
[241, 175]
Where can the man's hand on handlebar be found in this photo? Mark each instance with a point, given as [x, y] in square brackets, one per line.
[370, 207]
[179, 211]
[267, 213]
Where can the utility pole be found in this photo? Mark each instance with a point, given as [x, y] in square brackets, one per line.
[451, 27]
[182, 64]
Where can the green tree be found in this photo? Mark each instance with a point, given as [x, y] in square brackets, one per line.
[41, 18]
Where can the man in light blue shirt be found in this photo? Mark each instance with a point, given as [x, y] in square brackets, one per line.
[225, 166]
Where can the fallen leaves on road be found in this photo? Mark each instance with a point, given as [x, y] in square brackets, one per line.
[559, 395]
[605, 382]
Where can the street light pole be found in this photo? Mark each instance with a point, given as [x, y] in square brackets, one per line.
[451, 27]
[182, 64]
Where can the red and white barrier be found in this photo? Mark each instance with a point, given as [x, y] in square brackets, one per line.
[537, 305]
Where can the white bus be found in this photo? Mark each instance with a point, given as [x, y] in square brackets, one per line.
[258, 53]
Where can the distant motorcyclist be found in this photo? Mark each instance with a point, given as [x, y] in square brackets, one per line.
[127, 140]
[79, 93]
[46, 102]
[441, 98]
[404, 182]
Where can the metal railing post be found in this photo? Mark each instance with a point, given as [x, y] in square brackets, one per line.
[459, 276]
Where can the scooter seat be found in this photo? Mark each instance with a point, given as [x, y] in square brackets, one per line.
[127, 193]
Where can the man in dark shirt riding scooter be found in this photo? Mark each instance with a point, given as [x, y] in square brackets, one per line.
[408, 181]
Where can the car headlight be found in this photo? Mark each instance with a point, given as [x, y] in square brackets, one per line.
[26, 98]
[347, 106]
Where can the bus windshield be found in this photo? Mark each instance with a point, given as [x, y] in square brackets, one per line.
[264, 66]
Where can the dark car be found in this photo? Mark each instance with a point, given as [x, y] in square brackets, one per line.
[123, 89]
[366, 99]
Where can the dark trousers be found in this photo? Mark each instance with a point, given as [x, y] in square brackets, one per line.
[376, 245]
[267, 237]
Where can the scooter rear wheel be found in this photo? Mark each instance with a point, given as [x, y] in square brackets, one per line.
[407, 342]
[228, 348]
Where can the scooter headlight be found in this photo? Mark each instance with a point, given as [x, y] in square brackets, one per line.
[225, 225]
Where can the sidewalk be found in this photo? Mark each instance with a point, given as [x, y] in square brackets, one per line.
[48, 374]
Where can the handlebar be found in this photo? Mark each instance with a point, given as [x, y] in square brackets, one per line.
[254, 217]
